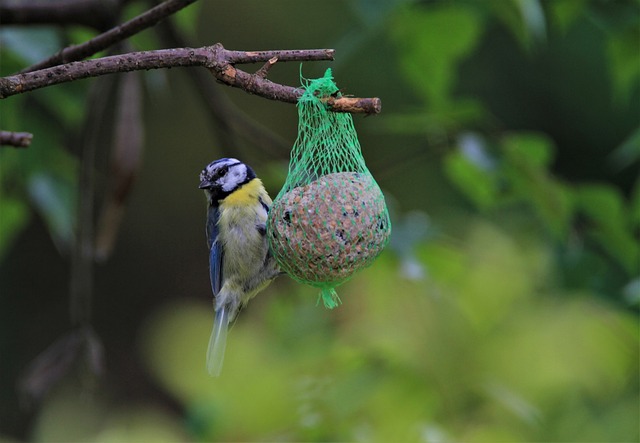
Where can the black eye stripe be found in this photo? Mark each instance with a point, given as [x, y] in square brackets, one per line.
[218, 169]
[224, 169]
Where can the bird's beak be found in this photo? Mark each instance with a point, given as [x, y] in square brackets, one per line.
[204, 184]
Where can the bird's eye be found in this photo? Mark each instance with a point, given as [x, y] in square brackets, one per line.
[223, 171]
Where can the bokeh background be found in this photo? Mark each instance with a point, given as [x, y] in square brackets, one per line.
[504, 309]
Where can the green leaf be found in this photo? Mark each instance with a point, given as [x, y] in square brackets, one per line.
[476, 182]
[55, 199]
[602, 203]
[635, 206]
[631, 292]
[628, 152]
[533, 19]
[552, 201]
[524, 18]
[527, 158]
[45, 173]
[13, 217]
[609, 223]
[531, 150]
[623, 49]
[446, 263]
[565, 12]
[432, 41]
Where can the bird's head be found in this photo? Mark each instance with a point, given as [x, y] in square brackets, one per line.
[222, 177]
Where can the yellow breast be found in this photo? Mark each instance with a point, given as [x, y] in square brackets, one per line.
[247, 195]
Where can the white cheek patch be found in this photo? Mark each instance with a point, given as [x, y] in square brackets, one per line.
[236, 175]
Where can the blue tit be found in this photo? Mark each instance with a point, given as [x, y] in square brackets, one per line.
[240, 264]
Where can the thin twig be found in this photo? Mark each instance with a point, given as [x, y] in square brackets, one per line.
[124, 165]
[287, 55]
[215, 58]
[15, 139]
[264, 71]
[112, 36]
[81, 287]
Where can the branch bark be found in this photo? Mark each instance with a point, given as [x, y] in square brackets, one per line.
[113, 35]
[216, 58]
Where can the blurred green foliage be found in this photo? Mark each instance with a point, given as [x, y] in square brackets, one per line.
[505, 308]
[460, 356]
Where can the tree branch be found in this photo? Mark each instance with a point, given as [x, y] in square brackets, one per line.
[113, 35]
[289, 55]
[217, 59]
[15, 139]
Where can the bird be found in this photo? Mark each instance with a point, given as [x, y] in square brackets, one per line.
[240, 263]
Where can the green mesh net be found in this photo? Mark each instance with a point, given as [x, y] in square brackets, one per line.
[330, 218]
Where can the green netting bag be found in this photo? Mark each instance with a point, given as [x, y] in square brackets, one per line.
[330, 218]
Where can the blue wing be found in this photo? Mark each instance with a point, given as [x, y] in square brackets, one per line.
[215, 250]
[218, 339]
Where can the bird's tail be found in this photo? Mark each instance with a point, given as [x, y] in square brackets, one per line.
[218, 341]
